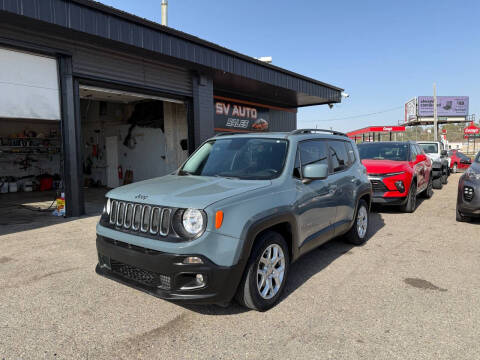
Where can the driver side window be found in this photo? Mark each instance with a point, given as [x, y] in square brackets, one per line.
[310, 152]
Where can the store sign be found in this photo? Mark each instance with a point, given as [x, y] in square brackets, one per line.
[471, 130]
[446, 106]
[231, 116]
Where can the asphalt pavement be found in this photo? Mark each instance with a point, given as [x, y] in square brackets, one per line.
[412, 292]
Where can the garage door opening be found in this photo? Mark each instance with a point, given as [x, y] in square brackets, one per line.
[129, 137]
[30, 136]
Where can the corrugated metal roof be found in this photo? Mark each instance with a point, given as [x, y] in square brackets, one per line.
[97, 19]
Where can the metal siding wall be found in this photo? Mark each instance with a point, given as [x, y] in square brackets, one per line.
[115, 66]
[202, 109]
[282, 120]
[96, 22]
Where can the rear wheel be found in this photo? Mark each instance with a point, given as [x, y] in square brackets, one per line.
[455, 168]
[357, 235]
[265, 273]
[411, 203]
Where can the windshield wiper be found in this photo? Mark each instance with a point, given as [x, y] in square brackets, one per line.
[227, 177]
[183, 173]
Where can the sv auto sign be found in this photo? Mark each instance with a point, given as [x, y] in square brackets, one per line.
[236, 117]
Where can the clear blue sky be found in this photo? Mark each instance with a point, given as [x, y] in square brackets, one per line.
[382, 53]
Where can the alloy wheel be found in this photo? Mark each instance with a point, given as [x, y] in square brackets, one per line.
[270, 271]
[362, 222]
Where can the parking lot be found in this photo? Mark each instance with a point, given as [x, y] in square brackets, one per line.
[412, 292]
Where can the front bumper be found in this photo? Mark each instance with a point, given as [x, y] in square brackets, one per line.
[472, 207]
[389, 200]
[164, 275]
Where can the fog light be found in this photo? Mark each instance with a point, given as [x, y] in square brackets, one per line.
[192, 260]
[199, 278]
[400, 186]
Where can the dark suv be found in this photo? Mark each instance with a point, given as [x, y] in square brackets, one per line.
[234, 217]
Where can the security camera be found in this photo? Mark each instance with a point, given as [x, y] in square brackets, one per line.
[345, 95]
[330, 106]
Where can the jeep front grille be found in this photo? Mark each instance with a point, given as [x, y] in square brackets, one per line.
[143, 218]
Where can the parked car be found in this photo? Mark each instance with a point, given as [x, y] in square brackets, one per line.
[234, 217]
[440, 161]
[459, 161]
[468, 198]
[398, 171]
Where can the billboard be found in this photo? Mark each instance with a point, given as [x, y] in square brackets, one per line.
[453, 106]
[237, 117]
[411, 110]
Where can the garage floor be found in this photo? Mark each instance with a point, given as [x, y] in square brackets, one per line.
[18, 211]
[411, 292]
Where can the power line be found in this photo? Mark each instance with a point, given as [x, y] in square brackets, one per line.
[358, 116]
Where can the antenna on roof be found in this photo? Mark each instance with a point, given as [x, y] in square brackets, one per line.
[165, 12]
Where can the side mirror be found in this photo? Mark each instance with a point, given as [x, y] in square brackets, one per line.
[315, 172]
[421, 157]
[444, 153]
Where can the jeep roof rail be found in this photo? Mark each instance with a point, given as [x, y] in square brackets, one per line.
[310, 131]
[225, 133]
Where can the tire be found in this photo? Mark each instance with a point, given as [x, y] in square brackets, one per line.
[437, 183]
[455, 168]
[411, 203]
[358, 233]
[428, 193]
[461, 218]
[444, 176]
[261, 261]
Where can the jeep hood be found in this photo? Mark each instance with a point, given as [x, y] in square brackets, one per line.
[185, 191]
[384, 166]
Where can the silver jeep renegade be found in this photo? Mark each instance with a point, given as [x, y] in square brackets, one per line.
[229, 223]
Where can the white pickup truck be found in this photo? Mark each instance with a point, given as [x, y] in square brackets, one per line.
[440, 161]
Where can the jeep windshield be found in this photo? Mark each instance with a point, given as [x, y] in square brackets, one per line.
[383, 151]
[429, 148]
[242, 158]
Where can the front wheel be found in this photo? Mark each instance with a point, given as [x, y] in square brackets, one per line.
[357, 235]
[411, 203]
[265, 274]
[438, 184]
[428, 193]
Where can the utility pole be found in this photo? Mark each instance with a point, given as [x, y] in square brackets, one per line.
[165, 12]
[435, 119]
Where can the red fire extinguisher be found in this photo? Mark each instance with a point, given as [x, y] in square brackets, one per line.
[120, 172]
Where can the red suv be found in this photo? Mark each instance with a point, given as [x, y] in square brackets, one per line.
[398, 171]
[459, 161]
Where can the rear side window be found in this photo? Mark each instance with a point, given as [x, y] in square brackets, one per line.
[310, 152]
[350, 153]
[338, 155]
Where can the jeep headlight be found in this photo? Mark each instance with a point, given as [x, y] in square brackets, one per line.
[190, 223]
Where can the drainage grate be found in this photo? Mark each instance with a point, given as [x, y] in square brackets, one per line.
[141, 276]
